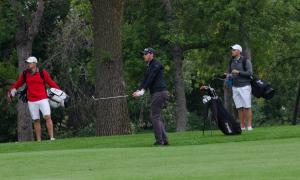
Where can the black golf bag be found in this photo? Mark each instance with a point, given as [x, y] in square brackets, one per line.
[225, 121]
[261, 88]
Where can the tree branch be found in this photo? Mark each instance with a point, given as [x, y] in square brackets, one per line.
[7, 82]
[169, 11]
[198, 45]
[37, 17]
[291, 58]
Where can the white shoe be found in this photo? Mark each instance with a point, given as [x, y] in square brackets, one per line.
[52, 139]
[243, 129]
[250, 128]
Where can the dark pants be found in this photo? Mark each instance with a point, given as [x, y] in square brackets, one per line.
[158, 100]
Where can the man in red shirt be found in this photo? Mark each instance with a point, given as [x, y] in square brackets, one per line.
[37, 95]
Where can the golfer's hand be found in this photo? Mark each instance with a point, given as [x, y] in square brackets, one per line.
[13, 92]
[235, 72]
[202, 88]
[135, 94]
[138, 93]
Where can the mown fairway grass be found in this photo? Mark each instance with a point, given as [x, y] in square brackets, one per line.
[265, 153]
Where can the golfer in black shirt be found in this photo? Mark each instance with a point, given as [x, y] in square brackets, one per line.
[154, 81]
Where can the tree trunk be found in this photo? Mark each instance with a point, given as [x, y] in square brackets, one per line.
[247, 51]
[177, 53]
[245, 38]
[294, 119]
[112, 114]
[25, 132]
[180, 108]
[24, 39]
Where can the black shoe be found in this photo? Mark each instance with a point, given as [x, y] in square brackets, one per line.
[158, 144]
[166, 143]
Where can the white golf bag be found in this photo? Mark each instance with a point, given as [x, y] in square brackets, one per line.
[57, 98]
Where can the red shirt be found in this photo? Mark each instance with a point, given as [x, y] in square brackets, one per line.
[36, 86]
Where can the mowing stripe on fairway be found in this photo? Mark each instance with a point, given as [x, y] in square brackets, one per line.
[264, 159]
[146, 140]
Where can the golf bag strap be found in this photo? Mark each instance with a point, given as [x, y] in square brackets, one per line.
[43, 77]
[24, 77]
[215, 115]
[41, 74]
[244, 61]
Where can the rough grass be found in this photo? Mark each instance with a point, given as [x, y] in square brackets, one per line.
[265, 153]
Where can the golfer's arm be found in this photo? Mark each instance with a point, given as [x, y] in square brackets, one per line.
[49, 81]
[149, 79]
[18, 83]
[249, 71]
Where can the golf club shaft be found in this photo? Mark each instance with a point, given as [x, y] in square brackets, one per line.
[112, 97]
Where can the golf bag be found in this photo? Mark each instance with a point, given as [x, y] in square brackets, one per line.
[225, 121]
[23, 95]
[261, 88]
[57, 98]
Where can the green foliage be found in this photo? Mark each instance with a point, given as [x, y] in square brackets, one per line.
[8, 131]
[195, 122]
[106, 56]
[139, 112]
[168, 117]
[65, 47]
[8, 115]
[7, 23]
[54, 13]
[8, 26]
[70, 54]
[7, 71]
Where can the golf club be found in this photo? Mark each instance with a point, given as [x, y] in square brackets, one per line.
[112, 97]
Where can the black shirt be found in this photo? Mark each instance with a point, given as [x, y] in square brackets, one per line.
[154, 77]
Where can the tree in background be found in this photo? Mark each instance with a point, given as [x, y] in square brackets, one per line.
[71, 50]
[66, 45]
[269, 29]
[112, 114]
[28, 25]
[28, 29]
[183, 35]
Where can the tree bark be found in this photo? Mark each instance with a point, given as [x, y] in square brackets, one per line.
[177, 54]
[24, 40]
[112, 114]
[25, 132]
[245, 39]
[296, 107]
[180, 108]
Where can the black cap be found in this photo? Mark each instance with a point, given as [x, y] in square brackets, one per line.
[148, 50]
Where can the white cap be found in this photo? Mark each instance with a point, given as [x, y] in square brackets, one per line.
[31, 59]
[237, 47]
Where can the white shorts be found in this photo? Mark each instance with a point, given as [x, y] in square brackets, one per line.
[242, 96]
[37, 106]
